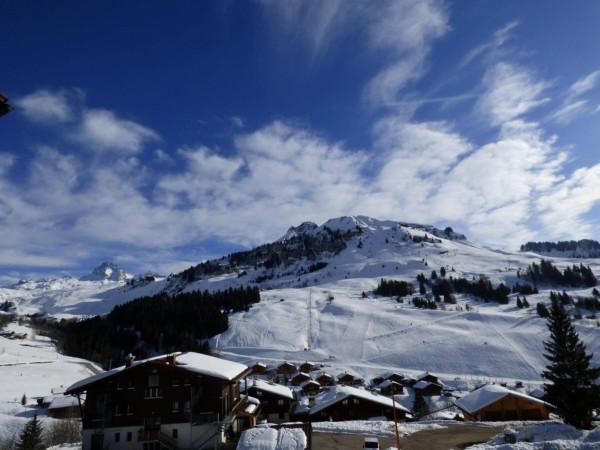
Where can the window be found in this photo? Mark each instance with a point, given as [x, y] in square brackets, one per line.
[280, 402]
[186, 406]
[153, 380]
[176, 381]
[153, 392]
[117, 436]
[258, 393]
[119, 386]
[345, 402]
[129, 409]
[174, 433]
[355, 401]
[129, 436]
[130, 385]
[118, 410]
[175, 406]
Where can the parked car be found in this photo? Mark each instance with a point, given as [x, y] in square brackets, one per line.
[371, 443]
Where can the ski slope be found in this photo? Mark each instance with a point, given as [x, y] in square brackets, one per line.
[295, 320]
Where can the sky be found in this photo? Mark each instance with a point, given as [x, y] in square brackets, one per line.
[159, 134]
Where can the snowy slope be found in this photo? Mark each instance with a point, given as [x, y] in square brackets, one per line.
[368, 335]
[34, 368]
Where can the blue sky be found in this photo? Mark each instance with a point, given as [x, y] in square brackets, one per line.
[158, 134]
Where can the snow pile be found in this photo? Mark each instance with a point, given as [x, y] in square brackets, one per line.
[65, 447]
[266, 438]
[545, 436]
[380, 428]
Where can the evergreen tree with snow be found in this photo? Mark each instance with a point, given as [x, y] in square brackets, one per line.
[31, 436]
[420, 406]
[519, 303]
[24, 400]
[571, 386]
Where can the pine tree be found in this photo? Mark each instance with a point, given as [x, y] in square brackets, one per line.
[571, 386]
[24, 400]
[519, 303]
[31, 436]
[420, 407]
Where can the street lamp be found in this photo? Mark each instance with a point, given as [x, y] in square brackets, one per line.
[5, 108]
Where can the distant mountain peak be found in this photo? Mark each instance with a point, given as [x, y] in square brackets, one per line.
[107, 271]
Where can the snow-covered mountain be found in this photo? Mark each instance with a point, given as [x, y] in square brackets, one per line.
[107, 271]
[312, 307]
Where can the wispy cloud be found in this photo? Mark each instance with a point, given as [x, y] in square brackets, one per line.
[569, 111]
[498, 39]
[103, 130]
[510, 91]
[43, 106]
[585, 84]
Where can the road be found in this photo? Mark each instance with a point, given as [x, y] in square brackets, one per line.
[454, 437]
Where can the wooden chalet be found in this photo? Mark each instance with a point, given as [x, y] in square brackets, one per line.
[286, 368]
[275, 399]
[496, 403]
[390, 387]
[428, 388]
[352, 403]
[300, 378]
[325, 379]
[430, 378]
[310, 387]
[64, 407]
[258, 368]
[177, 401]
[307, 366]
[349, 379]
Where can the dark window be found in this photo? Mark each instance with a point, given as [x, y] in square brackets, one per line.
[175, 433]
[153, 380]
[117, 437]
[118, 410]
[153, 392]
[129, 436]
[129, 409]
[176, 381]
[175, 406]
[130, 385]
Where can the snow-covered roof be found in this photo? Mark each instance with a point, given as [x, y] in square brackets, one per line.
[273, 388]
[488, 394]
[194, 362]
[388, 382]
[339, 393]
[252, 405]
[63, 401]
[423, 384]
[210, 366]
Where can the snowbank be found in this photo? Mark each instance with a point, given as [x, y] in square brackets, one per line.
[266, 438]
[380, 428]
[545, 436]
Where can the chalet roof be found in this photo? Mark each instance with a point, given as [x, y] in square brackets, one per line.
[424, 384]
[190, 361]
[301, 375]
[273, 388]
[63, 401]
[308, 383]
[427, 374]
[339, 393]
[210, 366]
[488, 394]
[387, 382]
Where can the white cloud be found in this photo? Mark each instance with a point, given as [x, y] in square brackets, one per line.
[584, 84]
[102, 130]
[46, 107]
[499, 38]
[569, 111]
[510, 92]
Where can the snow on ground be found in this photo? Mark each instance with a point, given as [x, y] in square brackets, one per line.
[34, 368]
[545, 436]
[379, 428]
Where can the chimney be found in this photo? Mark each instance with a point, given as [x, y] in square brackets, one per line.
[171, 359]
[129, 360]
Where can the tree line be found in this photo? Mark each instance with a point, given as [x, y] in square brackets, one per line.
[574, 276]
[391, 288]
[150, 325]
